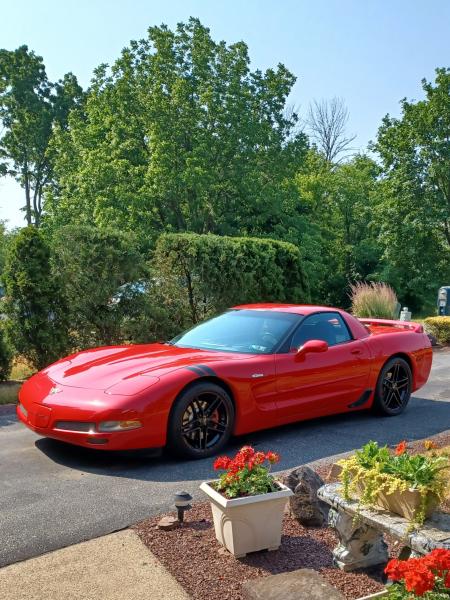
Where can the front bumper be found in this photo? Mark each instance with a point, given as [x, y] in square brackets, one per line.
[41, 411]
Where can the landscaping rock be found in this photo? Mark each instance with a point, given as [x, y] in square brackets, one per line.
[303, 584]
[432, 339]
[304, 505]
[168, 523]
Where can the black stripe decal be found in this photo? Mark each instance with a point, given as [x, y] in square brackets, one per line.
[361, 400]
[195, 370]
[207, 370]
[202, 370]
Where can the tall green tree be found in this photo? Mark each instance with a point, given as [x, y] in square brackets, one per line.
[30, 107]
[180, 135]
[36, 313]
[341, 241]
[415, 215]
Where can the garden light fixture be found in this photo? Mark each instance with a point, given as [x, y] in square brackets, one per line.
[181, 501]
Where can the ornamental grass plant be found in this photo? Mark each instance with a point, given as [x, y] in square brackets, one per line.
[247, 474]
[373, 300]
[427, 577]
[375, 470]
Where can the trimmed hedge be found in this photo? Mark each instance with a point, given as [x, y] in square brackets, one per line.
[439, 327]
[214, 272]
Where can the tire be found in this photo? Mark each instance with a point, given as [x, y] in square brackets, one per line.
[393, 389]
[201, 421]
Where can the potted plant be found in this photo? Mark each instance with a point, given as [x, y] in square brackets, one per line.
[247, 503]
[409, 485]
[427, 577]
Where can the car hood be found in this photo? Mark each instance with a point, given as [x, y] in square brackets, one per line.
[101, 368]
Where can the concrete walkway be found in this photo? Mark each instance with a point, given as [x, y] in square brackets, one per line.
[113, 567]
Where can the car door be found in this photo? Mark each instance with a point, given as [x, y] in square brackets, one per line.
[317, 384]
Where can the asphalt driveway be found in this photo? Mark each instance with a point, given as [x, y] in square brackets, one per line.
[53, 495]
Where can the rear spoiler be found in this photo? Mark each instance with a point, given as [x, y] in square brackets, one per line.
[417, 327]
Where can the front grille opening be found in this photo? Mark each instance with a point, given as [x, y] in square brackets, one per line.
[75, 426]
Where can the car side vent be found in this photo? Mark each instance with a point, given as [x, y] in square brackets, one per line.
[362, 399]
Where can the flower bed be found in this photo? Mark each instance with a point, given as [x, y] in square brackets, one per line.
[408, 484]
[427, 577]
[193, 556]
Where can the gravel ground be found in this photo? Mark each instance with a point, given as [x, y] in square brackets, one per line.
[205, 570]
[195, 559]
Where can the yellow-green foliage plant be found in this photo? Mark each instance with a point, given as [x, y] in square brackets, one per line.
[372, 471]
[439, 327]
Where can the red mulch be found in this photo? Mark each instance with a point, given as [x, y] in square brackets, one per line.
[205, 570]
[194, 557]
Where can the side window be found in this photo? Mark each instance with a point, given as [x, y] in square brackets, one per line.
[329, 327]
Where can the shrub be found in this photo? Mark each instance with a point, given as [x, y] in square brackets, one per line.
[102, 271]
[201, 275]
[373, 300]
[439, 327]
[5, 357]
[36, 313]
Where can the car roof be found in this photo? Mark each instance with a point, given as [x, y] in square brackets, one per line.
[358, 330]
[299, 309]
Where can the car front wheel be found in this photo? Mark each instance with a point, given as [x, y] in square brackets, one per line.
[201, 421]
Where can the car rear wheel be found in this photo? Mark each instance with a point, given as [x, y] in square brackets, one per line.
[393, 389]
[201, 421]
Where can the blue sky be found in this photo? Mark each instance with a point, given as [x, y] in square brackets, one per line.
[372, 53]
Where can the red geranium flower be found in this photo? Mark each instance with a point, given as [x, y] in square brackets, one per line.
[246, 474]
[257, 459]
[438, 560]
[222, 463]
[401, 448]
[245, 452]
[273, 457]
[395, 569]
[419, 580]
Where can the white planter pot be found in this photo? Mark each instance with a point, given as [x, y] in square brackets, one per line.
[248, 524]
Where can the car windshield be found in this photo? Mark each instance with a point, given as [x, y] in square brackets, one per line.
[247, 331]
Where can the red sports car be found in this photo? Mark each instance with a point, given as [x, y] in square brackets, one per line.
[253, 367]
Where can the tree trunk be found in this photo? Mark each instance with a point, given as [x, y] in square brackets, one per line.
[191, 297]
[27, 196]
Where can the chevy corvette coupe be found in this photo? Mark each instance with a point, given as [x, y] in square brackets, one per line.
[252, 367]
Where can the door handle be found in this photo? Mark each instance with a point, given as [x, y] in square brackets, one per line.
[355, 351]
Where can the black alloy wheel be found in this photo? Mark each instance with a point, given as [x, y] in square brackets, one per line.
[201, 422]
[393, 387]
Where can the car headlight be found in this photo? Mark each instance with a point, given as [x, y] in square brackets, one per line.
[119, 425]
